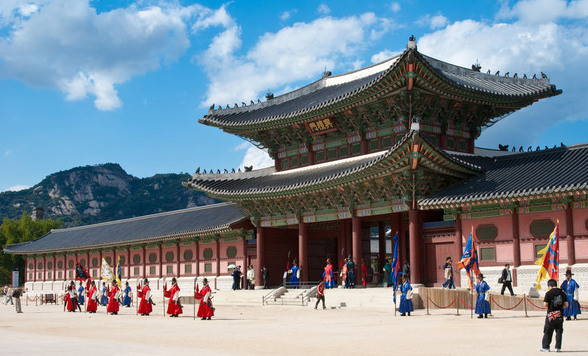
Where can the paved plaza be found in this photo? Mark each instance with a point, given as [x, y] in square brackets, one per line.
[248, 328]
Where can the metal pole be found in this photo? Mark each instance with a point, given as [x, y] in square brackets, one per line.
[457, 301]
[525, 302]
[427, 294]
[164, 296]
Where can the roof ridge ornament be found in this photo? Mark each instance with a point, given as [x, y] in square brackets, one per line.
[411, 43]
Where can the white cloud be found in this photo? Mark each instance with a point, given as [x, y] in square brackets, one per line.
[297, 52]
[67, 45]
[559, 49]
[383, 55]
[395, 7]
[16, 188]
[323, 9]
[254, 156]
[433, 22]
[285, 15]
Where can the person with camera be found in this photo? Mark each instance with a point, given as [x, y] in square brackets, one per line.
[16, 294]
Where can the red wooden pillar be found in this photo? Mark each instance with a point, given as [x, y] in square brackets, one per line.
[245, 259]
[356, 245]
[402, 250]
[570, 236]
[44, 267]
[516, 242]
[415, 246]
[160, 260]
[303, 251]
[260, 248]
[128, 261]
[178, 259]
[197, 257]
[382, 245]
[54, 267]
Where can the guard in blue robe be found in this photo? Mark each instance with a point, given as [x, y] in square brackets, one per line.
[104, 297]
[295, 277]
[127, 298]
[569, 286]
[482, 305]
[81, 298]
[405, 303]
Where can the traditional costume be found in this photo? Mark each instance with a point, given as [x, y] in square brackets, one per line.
[145, 307]
[295, 277]
[482, 305]
[387, 282]
[350, 282]
[343, 274]
[569, 286]
[127, 298]
[405, 302]
[81, 298]
[114, 295]
[92, 300]
[328, 275]
[174, 307]
[205, 310]
[70, 300]
[104, 297]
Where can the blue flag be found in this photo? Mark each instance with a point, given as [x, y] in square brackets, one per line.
[395, 264]
[469, 260]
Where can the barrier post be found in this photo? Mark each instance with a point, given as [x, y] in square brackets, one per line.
[428, 301]
[457, 302]
[525, 299]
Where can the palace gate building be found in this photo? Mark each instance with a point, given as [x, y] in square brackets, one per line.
[387, 147]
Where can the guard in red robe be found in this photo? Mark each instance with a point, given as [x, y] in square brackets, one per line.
[205, 310]
[113, 302]
[364, 272]
[174, 308]
[69, 300]
[92, 294]
[144, 293]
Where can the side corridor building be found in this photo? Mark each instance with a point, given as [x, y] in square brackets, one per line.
[390, 147]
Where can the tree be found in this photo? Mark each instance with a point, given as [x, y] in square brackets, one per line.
[19, 231]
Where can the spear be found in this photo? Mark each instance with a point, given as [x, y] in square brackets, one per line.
[164, 290]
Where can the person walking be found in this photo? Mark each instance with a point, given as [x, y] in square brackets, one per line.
[555, 300]
[507, 280]
[569, 286]
[16, 294]
[174, 308]
[328, 275]
[145, 306]
[448, 270]
[320, 295]
[114, 297]
[127, 297]
[295, 274]
[92, 295]
[387, 269]
[236, 278]
[265, 274]
[482, 305]
[250, 278]
[350, 283]
[81, 295]
[205, 309]
[104, 296]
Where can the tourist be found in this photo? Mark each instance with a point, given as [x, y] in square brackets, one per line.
[295, 274]
[174, 307]
[250, 278]
[74, 296]
[482, 305]
[405, 298]
[127, 297]
[343, 274]
[328, 275]
[387, 280]
[406, 270]
[5, 294]
[448, 268]
[569, 286]
[16, 294]
[555, 300]
[104, 297]
[320, 295]
[506, 280]
[81, 292]
[145, 306]
[92, 295]
[205, 309]
[236, 278]
[265, 274]
[350, 282]
[113, 302]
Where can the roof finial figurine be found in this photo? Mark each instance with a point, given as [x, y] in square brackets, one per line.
[546, 147]
[411, 43]
[476, 66]
[514, 149]
[507, 74]
[243, 103]
[543, 75]
[515, 75]
[561, 144]
[211, 107]
[521, 149]
[488, 71]
[225, 171]
[233, 170]
[248, 169]
[534, 76]
[530, 149]
[524, 76]
[269, 95]
[251, 102]
[538, 148]
[220, 107]
[239, 170]
[502, 147]
[497, 72]
[204, 172]
[258, 101]
[228, 106]
[197, 170]
[236, 105]
[554, 146]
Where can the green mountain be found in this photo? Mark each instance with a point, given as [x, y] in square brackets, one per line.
[93, 194]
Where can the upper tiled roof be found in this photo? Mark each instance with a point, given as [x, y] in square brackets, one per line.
[268, 181]
[563, 169]
[200, 220]
[330, 90]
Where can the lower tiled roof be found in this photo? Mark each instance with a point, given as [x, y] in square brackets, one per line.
[202, 220]
[557, 170]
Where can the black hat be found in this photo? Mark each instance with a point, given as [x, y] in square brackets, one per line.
[205, 280]
[481, 276]
[569, 272]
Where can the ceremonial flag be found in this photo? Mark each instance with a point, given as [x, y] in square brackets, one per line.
[469, 260]
[118, 273]
[549, 261]
[395, 264]
[81, 273]
[106, 273]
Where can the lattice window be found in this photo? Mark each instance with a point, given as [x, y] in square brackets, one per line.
[207, 253]
[487, 254]
[188, 269]
[208, 267]
[153, 257]
[136, 258]
[343, 151]
[542, 228]
[94, 262]
[231, 251]
[487, 232]
[188, 255]
[169, 257]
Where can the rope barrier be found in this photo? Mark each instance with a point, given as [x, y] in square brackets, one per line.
[467, 306]
[440, 307]
[536, 306]
[501, 307]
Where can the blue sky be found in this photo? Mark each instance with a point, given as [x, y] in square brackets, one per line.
[89, 82]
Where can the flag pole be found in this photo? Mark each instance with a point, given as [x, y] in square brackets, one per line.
[164, 296]
[137, 298]
[195, 279]
[471, 297]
